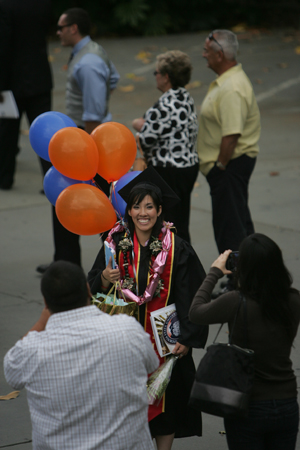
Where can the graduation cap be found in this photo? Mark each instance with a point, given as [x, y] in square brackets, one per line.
[150, 179]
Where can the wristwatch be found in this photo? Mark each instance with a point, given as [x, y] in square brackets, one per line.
[220, 165]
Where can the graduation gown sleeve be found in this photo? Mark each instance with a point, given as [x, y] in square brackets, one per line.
[94, 275]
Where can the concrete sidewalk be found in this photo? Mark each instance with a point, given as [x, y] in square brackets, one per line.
[272, 63]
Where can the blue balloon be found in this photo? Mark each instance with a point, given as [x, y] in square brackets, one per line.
[44, 127]
[55, 183]
[118, 203]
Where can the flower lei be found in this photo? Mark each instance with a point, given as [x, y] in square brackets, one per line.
[159, 249]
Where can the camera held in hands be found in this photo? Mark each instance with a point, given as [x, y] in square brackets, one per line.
[232, 260]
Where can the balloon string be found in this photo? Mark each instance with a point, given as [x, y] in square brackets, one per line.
[97, 185]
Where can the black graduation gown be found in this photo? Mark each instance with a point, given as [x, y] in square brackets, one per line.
[187, 276]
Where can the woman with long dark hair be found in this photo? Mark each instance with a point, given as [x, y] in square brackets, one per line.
[273, 314]
[142, 243]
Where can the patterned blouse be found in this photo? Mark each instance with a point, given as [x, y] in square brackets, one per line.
[169, 135]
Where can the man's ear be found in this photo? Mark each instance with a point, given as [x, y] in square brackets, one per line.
[74, 28]
[221, 55]
[46, 306]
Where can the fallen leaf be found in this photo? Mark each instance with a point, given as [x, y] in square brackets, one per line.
[57, 50]
[197, 184]
[64, 67]
[239, 27]
[24, 132]
[134, 77]
[282, 65]
[274, 174]
[50, 58]
[128, 88]
[258, 81]
[10, 396]
[143, 56]
[297, 50]
[266, 69]
[193, 84]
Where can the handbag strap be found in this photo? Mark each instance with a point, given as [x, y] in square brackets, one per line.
[246, 341]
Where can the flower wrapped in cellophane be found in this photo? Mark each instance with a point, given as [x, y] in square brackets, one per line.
[158, 381]
[111, 304]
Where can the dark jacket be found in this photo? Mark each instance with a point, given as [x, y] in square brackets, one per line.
[24, 66]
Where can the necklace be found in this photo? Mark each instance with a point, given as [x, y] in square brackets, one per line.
[159, 252]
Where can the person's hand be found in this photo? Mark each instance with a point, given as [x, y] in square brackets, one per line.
[138, 124]
[139, 164]
[109, 274]
[220, 262]
[180, 350]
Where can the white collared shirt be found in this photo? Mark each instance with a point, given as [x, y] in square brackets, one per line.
[85, 377]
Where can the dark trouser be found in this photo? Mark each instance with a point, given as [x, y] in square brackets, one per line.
[182, 182]
[229, 194]
[9, 135]
[271, 425]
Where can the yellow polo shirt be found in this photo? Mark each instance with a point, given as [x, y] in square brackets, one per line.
[229, 108]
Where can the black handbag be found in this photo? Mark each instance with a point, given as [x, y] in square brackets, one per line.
[224, 377]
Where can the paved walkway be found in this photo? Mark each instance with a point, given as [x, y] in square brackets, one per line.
[271, 60]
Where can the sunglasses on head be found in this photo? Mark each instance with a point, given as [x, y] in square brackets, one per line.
[211, 38]
[61, 27]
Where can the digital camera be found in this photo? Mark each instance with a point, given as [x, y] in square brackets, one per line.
[232, 260]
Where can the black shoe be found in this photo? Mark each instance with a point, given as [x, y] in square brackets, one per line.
[42, 268]
[5, 186]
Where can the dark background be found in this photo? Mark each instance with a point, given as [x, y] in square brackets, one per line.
[113, 18]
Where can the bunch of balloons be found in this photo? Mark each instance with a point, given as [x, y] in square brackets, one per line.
[77, 157]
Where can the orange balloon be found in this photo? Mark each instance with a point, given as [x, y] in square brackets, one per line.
[84, 209]
[117, 150]
[73, 153]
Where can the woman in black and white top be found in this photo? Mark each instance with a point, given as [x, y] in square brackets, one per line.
[168, 133]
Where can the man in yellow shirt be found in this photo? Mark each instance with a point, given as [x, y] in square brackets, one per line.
[229, 129]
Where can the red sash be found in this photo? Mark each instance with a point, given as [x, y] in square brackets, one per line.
[154, 304]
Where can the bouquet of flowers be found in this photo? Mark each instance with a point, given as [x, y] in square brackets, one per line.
[159, 380]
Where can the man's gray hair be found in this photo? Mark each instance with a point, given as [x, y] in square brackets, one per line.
[228, 40]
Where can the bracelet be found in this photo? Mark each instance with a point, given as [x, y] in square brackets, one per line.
[104, 276]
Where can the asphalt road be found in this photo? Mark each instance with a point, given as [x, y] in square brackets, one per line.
[271, 60]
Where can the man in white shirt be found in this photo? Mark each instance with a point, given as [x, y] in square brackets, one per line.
[85, 372]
